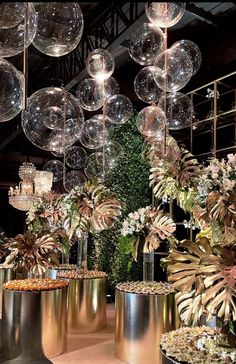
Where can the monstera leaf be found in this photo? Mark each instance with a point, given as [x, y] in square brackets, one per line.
[205, 278]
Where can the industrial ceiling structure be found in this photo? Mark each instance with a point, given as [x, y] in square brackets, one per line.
[108, 25]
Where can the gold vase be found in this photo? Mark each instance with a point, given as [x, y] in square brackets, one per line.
[34, 325]
[141, 319]
[86, 305]
[6, 274]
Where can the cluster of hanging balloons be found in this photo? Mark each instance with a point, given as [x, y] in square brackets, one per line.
[55, 29]
[101, 91]
[165, 71]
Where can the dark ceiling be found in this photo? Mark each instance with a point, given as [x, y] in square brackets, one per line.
[108, 25]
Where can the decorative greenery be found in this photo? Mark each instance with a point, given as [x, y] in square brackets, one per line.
[129, 180]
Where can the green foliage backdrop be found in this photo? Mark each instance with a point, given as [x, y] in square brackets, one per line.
[130, 182]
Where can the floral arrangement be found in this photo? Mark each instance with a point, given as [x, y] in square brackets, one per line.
[173, 173]
[3, 246]
[150, 224]
[197, 345]
[81, 274]
[90, 208]
[146, 287]
[32, 252]
[215, 205]
[35, 284]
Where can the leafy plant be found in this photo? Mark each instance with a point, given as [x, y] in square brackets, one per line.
[32, 252]
[205, 277]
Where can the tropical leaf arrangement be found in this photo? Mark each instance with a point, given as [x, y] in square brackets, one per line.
[3, 245]
[149, 226]
[90, 208]
[32, 252]
[173, 173]
[205, 278]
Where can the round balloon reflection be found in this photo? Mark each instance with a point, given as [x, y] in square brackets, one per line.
[75, 157]
[74, 179]
[56, 167]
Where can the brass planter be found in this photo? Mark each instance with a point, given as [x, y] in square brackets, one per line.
[6, 274]
[34, 325]
[86, 305]
[166, 360]
[140, 321]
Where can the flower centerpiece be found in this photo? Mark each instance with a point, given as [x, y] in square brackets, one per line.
[147, 227]
[204, 271]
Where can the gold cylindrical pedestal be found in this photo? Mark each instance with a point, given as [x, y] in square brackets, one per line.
[6, 274]
[141, 319]
[34, 325]
[86, 305]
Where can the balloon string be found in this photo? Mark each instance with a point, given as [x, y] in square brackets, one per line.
[103, 130]
[63, 138]
[25, 56]
[165, 83]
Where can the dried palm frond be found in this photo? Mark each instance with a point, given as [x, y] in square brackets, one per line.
[32, 252]
[4, 243]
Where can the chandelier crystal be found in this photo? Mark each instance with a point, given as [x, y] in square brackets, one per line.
[33, 185]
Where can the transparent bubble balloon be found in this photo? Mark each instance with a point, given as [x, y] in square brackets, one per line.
[11, 14]
[110, 154]
[56, 167]
[90, 94]
[11, 91]
[94, 168]
[12, 39]
[74, 179]
[110, 87]
[145, 85]
[59, 153]
[95, 133]
[164, 15]
[100, 64]
[76, 157]
[118, 109]
[178, 108]
[192, 50]
[151, 120]
[145, 43]
[174, 70]
[48, 107]
[60, 28]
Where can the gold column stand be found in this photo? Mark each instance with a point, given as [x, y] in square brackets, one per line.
[141, 319]
[86, 305]
[34, 326]
[6, 274]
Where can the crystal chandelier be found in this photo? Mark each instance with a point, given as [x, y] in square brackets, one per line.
[33, 184]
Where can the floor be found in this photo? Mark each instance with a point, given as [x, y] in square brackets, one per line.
[90, 348]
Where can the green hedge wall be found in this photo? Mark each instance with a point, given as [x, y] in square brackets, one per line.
[130, 182]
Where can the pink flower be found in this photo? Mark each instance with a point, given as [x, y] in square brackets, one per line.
[232, 159]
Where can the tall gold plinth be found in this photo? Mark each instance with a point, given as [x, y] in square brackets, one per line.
[140, 321]
[6, 274]
[34, 325]
[86, 305]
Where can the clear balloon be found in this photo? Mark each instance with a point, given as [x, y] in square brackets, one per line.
[118, 109]
[12, 39]
[145, 85]
[178, 108]
[60, 28]
[164, 15]
[76, 157]
[100, 64]
[145, 43]
[73, 179]
[11, 14]
[11, 91]
[56, 167]
[38, 120]
[94, 168]
[90, 94]
[110, 87]
[174, 70]
[151, 120]
[110, 154]
[95, 133]
[59, 153]
[192, 50]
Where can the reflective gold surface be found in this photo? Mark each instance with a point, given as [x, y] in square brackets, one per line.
[140, 322]
[5, 275]
[34, 325]
[86, 305]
